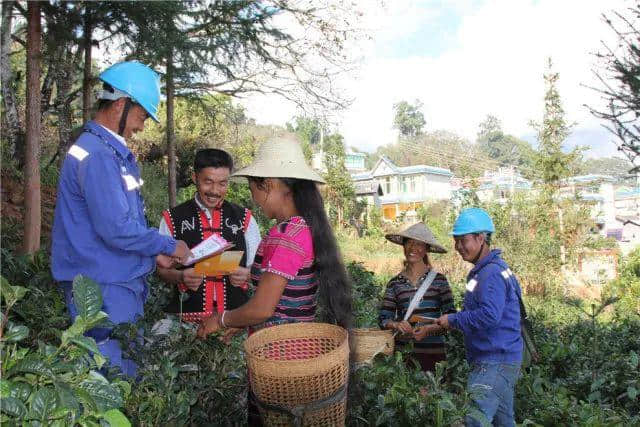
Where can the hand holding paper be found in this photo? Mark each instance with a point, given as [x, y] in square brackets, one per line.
[181, 253]
[220, 265]
[191, 279]
[240, 277]
[208, 247]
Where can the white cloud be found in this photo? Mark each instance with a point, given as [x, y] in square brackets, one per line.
[495, 66]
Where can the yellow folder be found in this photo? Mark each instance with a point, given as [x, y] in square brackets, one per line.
[219, 265]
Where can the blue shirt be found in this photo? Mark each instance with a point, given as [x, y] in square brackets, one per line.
[490, 321]
[99, 227]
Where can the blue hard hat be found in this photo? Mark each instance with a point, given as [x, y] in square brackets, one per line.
[473, 220]
[138, 81]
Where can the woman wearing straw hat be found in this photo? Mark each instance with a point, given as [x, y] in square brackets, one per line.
[428, 343]
[298, 262]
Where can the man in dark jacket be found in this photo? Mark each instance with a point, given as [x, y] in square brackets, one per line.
[197, 297]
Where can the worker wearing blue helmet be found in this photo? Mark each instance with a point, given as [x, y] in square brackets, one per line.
[100, 229]
[490, 320]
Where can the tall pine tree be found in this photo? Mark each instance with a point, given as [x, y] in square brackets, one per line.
[552, 162]
[619, 77]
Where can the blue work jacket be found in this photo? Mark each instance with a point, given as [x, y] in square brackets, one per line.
[490, 320]
[99, 226]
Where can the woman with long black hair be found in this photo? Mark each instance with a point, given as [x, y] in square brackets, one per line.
[297, 267]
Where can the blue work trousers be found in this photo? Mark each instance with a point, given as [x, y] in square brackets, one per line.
[123, 304]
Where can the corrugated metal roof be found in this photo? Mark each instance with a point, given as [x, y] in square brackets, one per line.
[415, 169]
[407, 170]
[371, 187]
[582, 179]
[361, 176]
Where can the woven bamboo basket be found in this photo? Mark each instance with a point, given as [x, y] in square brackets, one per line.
[300, 365]
[366, 343]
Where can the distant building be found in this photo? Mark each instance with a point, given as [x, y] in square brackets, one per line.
[627, 201]
[499, 186]
[354, 162]
[405, 188]
[627, 208]
[597, 189]
[369, 192]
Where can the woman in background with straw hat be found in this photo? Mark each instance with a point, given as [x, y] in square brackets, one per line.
[297, 263]
[428, 343]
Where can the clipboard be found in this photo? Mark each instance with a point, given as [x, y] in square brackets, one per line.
[219, 265]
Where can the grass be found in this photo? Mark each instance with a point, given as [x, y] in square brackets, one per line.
[385, 258]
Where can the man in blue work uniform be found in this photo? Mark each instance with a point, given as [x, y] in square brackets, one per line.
[490, 320]
[99, 227]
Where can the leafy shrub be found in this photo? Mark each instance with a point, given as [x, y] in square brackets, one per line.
[42, 309]
[182, 380]
[187, 381]
[367, 292]
[588, 373]
[390, 394]
[627, 285]
[58, 385]
[154, 191]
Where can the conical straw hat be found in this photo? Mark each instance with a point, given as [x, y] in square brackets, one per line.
[280, 157]
[421, 233]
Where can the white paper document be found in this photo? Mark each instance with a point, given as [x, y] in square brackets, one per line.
[210, 246]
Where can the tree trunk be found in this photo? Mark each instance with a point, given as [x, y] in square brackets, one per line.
[64, 97]
[55, 49]
[47, 86]
[64, 82]
[86, 82]
[32, 208]
[11, 125]
[563, 249]
[171, 143]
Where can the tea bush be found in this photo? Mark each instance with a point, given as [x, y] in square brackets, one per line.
[183, 380]
[588, 373]
[57, 383]
[627, 285]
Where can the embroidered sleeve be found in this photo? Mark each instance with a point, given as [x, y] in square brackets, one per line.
[286, 253]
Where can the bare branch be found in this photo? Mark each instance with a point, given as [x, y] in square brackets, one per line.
[19, 40]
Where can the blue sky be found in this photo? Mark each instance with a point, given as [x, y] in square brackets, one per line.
[434, 34]
[465, 59]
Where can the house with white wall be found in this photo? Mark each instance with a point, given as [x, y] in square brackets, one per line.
[501, 184]
[599, 191]
[627, 208]
[627, 201]
[405, 188]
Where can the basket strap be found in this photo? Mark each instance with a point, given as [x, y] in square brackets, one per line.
[297, 412]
